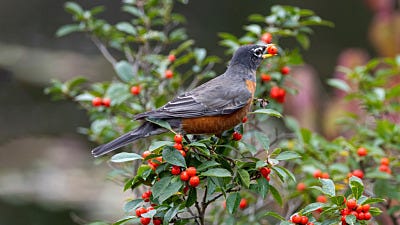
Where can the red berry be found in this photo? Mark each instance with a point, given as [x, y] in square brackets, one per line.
[135, 90]
[268, 178]
[244, 120]
[194, 181]
[354, 213]
[383, 168]
[140, 211]
[169, 74]
[385, 161]
[185, 189]
[157, 221]
[145, 154]
[296, 218]
[265, 171]
[97, 101]
[145, 221]
[178, 146]
[359, 208]
[171, 58]
[361, 151]
[224, 204]
[361, 216]
[278, 94]
[325, 175]
[365, 208]
[106, 102]
[367, 216]
[191, 171]
[266, 38]
[345, 212]
[317, 174]
[358, 173]
[150, 208]
[178, 138]
[285, 70]
[146, 196]
[272, 49]
[322, 198]
[183, 153]
[266, 77]
[310, 223]
[184, 176]
[243, 203]
[175, 170]
[301, 186]
[304, 220]
[237, 136]
[351, 203]
[343, 218]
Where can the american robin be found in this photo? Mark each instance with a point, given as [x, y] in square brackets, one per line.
[210, 108]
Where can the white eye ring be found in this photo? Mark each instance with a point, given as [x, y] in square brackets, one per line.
[258, 51]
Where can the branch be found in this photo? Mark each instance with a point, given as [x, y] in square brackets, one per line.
[103, 49]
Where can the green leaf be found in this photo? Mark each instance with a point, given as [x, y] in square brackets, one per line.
[126, 27]
[375, 211]
[149, 214]
[124, 70]
[73, 8]
[328, 187]
[254, 28]
[165, 188]
[337, 200]
[118, 93]
[159, 144]
[161, 123]
[206, 165]
[356, 186]
[126, 219]
[312, 207]
[269, 112]
[170, 214]
[339, 84]
[274, 214]
[216, 172]
[133, 10]
[244, 177]
[67, 29]
[287, 155]
[173, 157]
[372, 201]
[351, 219]
[276, 195]
[232, 202]
[282, 170]
[303, 40]
[132, 205]
[262, 187]
[192, 197]
[125, 157]
[263, 139]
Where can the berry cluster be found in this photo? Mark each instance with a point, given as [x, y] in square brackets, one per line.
[97, 101]
[302, 220]
[265, 171]
[189, 175]
[178, 144]
[278, 94]
[145, 220]
[320, 174]
[361, 212]
[384, 167]
[154, 162]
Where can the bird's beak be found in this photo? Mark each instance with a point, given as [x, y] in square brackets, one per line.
[268, 55]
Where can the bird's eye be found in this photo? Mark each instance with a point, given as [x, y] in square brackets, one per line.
[258, 52]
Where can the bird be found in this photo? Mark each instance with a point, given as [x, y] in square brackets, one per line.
[211, 108]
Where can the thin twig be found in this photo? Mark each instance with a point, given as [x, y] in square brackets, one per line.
[103, 49]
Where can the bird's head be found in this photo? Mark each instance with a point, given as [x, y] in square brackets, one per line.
[250, 56]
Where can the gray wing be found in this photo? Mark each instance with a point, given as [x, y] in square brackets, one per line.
[216, 97]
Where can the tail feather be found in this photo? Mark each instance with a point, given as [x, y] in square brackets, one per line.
[145, 130]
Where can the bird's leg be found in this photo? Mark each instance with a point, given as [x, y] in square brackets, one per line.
[187, 139]
[261, 101]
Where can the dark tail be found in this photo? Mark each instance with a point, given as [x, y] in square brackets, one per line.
[145, 130]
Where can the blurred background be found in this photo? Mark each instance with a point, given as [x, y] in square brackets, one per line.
[46, 170]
